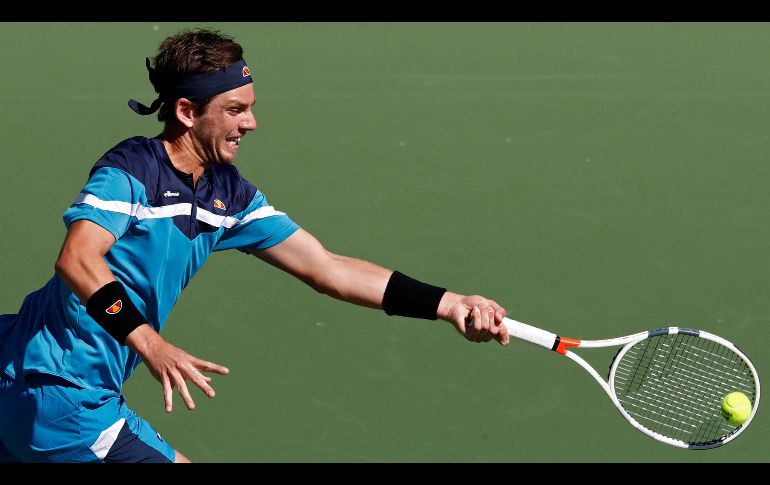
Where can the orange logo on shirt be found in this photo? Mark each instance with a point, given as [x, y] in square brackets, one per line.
[115, 307]
[218, 204]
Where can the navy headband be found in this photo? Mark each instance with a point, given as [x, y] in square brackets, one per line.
[195, 87]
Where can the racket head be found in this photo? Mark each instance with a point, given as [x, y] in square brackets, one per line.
[670, 384]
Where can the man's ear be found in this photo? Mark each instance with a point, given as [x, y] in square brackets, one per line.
[184, 109]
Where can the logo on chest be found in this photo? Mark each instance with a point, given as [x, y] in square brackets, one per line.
[218, 204]
[168, 193]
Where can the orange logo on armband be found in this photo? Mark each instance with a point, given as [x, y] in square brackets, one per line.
[115, 307]
[218, 204]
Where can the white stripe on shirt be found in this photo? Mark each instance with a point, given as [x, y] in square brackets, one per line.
[134, 210]
[141, 212]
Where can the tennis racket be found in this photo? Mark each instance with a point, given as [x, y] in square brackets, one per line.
[668, 383]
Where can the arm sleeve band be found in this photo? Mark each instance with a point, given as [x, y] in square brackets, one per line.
[111, 307]
[408, 297]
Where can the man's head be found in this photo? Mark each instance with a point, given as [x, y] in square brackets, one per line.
[205, 91]
[188, 53]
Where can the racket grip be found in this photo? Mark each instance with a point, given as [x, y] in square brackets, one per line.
[529, 333]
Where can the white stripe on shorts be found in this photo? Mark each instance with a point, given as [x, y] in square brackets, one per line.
[107, 438]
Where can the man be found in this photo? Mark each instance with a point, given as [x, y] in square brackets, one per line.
[149, 215]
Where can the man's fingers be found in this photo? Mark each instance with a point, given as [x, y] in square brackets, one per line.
[202, 382]
[494, 327]
[167, 393]
[484, 321]
[477, 318]
[484, 318]
[211, 367]
[498, 309]
[182, 387]
[503, 337]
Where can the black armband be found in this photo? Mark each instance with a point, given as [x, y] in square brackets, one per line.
[408, 297]
[111, 307]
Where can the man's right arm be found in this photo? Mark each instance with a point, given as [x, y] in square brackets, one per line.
[82, 267]
[81, 259]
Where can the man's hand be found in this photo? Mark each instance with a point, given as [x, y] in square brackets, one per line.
[172, 366]
[486, 316]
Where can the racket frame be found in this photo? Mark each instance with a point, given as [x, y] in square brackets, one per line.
[562, 345]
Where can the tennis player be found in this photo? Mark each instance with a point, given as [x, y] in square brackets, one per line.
[150, 213]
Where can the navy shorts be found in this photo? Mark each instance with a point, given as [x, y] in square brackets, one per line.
[48, 419]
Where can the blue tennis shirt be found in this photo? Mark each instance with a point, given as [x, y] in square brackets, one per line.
[165, 230]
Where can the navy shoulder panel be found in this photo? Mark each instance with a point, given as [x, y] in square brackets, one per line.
[137, 156]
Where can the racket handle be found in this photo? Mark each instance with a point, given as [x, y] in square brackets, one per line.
[529, 333]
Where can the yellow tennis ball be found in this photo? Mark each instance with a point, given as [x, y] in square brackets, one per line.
[736, 408]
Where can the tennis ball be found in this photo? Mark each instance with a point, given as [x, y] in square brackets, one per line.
[736, 408]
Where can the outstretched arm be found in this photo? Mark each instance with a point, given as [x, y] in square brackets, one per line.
[82, 267]
[364, 283]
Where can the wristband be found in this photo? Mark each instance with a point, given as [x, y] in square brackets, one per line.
[408, 297]
[113, 310]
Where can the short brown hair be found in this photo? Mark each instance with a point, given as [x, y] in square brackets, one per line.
[193, 51]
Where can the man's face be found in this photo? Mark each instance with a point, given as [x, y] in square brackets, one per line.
[218, 131]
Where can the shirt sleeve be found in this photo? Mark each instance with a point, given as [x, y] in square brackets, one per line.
[110, 198]
[260, 226]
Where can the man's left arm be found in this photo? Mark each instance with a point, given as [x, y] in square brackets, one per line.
[367, 284]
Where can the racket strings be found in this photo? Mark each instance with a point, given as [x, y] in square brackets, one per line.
[673, 385]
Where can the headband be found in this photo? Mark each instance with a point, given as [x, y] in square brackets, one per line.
[195, 87]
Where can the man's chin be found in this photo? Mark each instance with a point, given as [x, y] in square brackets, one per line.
[228, 159]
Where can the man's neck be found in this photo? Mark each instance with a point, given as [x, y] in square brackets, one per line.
[184, 157]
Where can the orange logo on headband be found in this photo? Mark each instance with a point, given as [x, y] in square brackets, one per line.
[218, 204]
[115, 307]
[246, 71]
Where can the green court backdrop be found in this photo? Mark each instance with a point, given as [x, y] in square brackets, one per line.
[595, 179]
